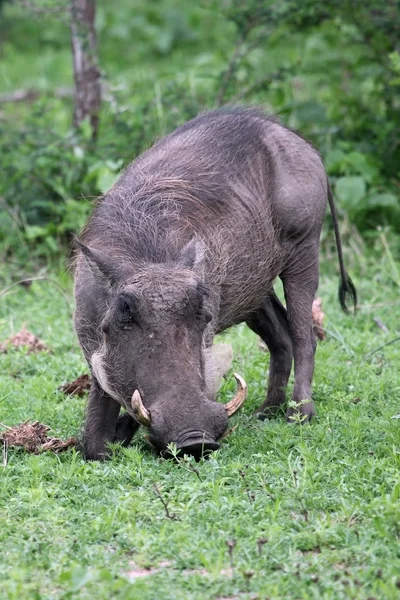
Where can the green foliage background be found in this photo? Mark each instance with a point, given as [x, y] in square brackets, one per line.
[330, 70]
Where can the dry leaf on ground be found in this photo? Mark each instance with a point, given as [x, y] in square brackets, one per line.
[318, 319]
[33, 437]
[26, 339]
[77, 387]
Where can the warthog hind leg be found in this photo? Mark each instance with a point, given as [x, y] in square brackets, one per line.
[271, 324]
[300, 285]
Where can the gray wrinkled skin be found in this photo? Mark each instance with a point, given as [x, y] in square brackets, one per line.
[186, 244]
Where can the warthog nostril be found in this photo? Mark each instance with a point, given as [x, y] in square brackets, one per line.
[198, 447]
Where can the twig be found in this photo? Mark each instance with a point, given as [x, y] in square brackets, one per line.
[260, 83]
[383, 346]
[41, 278]
[194, 470]
[12, 213]
[5, 426]
[260, 544]
[378, 305]
[5, 454]
[228, 73]
[395, 275]
[157, 492]
[231, 545]
[32, 95]
[184, 462]
[250, 494]
[379, 323]
[52, 11]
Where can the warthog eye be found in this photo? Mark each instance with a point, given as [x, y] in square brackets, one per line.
[207, 316]
[198, 304]
[127, 310]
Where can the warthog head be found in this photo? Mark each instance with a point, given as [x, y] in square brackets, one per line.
[152, 358]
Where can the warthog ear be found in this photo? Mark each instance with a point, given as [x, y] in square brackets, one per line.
[98, 260]
[193, 254]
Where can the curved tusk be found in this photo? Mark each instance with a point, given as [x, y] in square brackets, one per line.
[233, 405]
[140, 413]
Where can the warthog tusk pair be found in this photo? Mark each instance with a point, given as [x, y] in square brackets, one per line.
[143, 417]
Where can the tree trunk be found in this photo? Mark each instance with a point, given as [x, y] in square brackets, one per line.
[85, 63]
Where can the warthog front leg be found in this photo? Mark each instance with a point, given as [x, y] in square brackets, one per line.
[126, 429]
[101, 419]
[300, 285]
[271, 324]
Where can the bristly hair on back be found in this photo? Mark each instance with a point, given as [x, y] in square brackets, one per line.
[174, 190]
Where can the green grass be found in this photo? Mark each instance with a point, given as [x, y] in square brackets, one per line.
[323, 498]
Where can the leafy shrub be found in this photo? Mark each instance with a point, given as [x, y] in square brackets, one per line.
[43, 178]
[330, 70]
[340, 87]
[48, 177]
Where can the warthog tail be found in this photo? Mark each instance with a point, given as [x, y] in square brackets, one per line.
[346, 286]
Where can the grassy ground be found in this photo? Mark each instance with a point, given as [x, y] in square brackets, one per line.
[278, 512]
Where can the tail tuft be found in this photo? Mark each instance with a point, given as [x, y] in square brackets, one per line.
[347, 288]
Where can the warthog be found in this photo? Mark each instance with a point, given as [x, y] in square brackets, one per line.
[187, 243]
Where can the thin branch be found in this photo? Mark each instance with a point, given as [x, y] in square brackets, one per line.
[60, 92]
[383, 346]
[261, 84]
[232, 66]
[53, 10]
[242, 48]
[250, 494]
[5, 454]
[379, 323]
[378, 305]
[231, 545]
[5, 426]
[169, 515]
[31, 95]
[193, 469]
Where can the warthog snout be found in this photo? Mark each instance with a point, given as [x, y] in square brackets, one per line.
[199, 448]
[195, 443]
[166, 427]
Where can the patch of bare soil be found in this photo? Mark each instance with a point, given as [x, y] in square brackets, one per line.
[77, 387]
[24, 339]
[318, 319]
[135, 571]
[33, 437]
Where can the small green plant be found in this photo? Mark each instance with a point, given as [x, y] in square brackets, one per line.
[297, 417]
